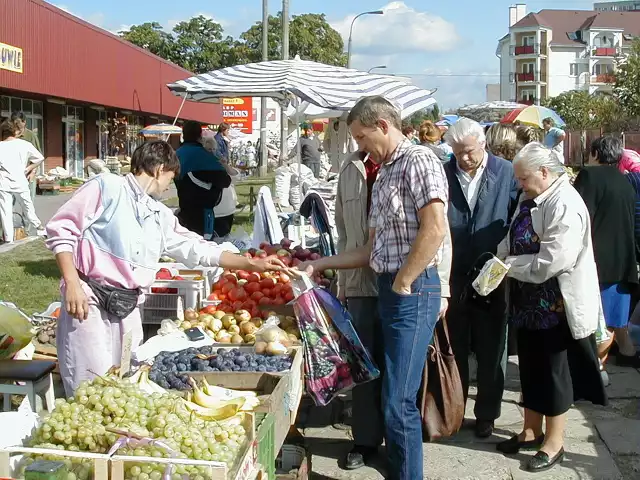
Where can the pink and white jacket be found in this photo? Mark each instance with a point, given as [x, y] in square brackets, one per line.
[117, 233]
[629, 161]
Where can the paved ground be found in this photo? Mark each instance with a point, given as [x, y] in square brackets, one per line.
[601, 442]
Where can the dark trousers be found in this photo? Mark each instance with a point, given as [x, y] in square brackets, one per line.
[483, 331]
[408, 322]
[367, 423]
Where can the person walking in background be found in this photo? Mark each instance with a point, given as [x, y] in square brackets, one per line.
[610, 199]
[309, 149]
[555, 303]
[18, 159]
[482, 198]
[200, 182]
[20, 121]
[225, 210]
[222, 140]
[406, 241]
[554, 137]
[410, 132]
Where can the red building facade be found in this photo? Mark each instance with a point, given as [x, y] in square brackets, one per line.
[80, 87]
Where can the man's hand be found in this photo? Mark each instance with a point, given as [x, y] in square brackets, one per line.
[444, 306]
[76, 301]
[308, 267]
[264, 264]
[400, 287]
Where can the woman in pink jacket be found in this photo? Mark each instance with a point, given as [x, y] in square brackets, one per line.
[107, 240]
[629, 161]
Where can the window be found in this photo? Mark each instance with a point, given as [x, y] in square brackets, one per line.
[572, 36]
[527, 67]
[576, 69]
[134, 139]
[602, 68]
[528, 41]
[528, 95]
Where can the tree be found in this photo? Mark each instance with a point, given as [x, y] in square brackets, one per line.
[310, 36]
[431, 113]
[200, 44]
[627, 86]
[582, 111]
[152, 37]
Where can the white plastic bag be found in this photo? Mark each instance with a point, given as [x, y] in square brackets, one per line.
[490, 277]
[283, 185]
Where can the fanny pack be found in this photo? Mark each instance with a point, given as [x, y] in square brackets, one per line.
[119, 302]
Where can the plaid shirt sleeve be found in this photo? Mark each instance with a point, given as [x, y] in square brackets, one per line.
[427, 179]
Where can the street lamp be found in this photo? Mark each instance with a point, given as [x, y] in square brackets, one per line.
[374, 68]
[373, 12]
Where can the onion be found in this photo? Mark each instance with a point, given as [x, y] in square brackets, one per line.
[270, 335]
[276, 348]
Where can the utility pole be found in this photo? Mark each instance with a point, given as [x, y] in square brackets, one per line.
[263, 100]
[284, 121]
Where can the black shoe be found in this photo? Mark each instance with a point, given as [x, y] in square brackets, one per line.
[513, 445]
[628, 360]
[541, 461]
[359, 456]
[484, 428]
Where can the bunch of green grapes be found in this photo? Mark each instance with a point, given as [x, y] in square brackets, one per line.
[80, 424]
[78, 468]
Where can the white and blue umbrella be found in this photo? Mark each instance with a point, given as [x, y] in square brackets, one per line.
[160, 129]
[325, 86]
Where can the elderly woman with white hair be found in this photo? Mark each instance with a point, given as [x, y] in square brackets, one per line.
[555, 304]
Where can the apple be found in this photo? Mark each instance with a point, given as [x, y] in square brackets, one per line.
[304, 254]
[263, 245]
[234, 329]
[242, 282]
[329, 274]
[286, 243]
[295, 262]
[242, 316]
[252, 251]
[247, 327]
[314, 256]
[228, 320]
[257, 321]
[206, 318]
[237, 339]
[215, 325]
[219, 314]
[261, 254]
[247, 255]
[283, 253]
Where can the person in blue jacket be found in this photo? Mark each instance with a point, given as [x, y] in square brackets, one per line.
[200, 183]
[482, 198]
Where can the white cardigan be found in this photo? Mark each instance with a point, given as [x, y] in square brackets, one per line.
[561, 220]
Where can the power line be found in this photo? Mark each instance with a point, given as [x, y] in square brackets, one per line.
[477, 75]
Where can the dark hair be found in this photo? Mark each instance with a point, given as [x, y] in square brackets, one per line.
[607, 150]
[7, 129]
[191, 131]
[549, 121]
[151, 155]
[18, 116]
[223, 127]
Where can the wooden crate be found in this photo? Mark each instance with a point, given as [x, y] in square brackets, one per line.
[245, 469]
[100, 462]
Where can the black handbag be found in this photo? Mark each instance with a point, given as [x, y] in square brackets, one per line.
[469, 294]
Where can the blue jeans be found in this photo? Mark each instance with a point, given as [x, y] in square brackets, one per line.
[408, 322]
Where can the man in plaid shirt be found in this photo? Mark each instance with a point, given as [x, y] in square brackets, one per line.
[407, 228]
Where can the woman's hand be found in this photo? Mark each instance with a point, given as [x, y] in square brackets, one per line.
[264, 264]
[76, 301]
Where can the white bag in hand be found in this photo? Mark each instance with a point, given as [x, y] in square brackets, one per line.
[490, 277]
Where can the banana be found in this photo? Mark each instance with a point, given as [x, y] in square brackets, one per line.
[222, 411]
[250, 398]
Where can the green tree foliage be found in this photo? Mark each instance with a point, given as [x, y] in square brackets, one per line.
[581, 111]
[627, 86]
[199, 44]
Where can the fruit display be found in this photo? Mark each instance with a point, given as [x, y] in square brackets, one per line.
[86, 422]
[171, 369]
[165, 274]
[46, 333]
[237, 328]
[292, 257]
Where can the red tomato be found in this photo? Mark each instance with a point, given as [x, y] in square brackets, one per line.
[210, 309]
[222, 297]
[255, 312]
[237, 305]
[264, 301]
[284, 278]
[268, 282]
[278, 301]
[225, 307]
[231, 278]
[213, 296]
[256, 296]
[248, 304]
[253, 277]
[278, 289]
[267, 292]
[252, 287]
[237, 294]
[242, 274]
[288, 296]
[227, 287]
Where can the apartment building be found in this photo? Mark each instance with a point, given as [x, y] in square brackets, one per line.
[554, 51]
[624, 6]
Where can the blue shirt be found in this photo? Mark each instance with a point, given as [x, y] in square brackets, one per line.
[195, 158]
[551, 137]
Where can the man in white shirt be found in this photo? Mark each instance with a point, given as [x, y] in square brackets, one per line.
[482, 199]
[18, 158]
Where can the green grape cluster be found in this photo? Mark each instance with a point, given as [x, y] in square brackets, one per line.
[80, 424]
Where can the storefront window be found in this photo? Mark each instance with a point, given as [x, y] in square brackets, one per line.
[73, 135]
[134, 139]
[32, 110]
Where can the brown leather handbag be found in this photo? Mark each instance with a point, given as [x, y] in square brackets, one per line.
[441, 398]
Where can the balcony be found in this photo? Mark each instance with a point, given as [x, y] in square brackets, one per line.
[518, 50]
[527, 101]
[606, 78]
[605, 51]
[525, 77]
[528, 77]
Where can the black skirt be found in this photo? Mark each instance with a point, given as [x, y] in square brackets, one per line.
[556, 370]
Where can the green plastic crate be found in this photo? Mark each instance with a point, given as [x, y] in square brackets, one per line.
[266, 446]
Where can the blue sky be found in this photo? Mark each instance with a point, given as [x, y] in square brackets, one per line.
[449, 45]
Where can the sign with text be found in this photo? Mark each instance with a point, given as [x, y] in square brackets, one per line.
[10, 58]
[238, 112]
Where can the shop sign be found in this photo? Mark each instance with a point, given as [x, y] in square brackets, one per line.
[10, 58]
[238, 112]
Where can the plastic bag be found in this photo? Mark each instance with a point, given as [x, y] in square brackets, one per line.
[335, 359]
[16, 330]
[490, 276]
[271, 339]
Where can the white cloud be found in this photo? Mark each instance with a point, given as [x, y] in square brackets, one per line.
[457, 87]
[401, 29]
[96, 19]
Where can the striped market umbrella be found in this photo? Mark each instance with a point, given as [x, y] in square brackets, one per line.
[160, 129]
[325, 86]
[532, 115]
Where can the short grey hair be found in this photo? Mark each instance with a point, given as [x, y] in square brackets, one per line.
[463, 128]
[535, 156]
[209, 143]
[369, 110]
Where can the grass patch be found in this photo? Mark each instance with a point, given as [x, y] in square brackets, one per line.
[29, 277]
